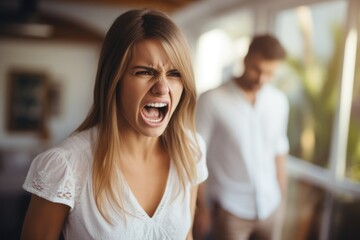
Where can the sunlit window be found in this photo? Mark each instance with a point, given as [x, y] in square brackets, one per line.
[313, 36]
[353, 146]
[211, 58]
[221, 49]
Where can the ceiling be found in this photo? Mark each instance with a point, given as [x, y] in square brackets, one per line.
[25, 21]
[165, 5]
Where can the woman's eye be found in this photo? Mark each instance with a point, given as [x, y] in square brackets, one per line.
[144, 73]
[174, 74]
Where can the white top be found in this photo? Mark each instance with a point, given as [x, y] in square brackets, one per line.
[242, 142]
[63, 175]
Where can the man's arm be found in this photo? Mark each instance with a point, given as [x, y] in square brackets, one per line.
[282, 175]
[283, 149]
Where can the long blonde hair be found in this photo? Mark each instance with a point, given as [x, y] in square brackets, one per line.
[179, 136]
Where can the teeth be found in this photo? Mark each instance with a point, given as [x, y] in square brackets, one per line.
[156, 105]
[153, 120]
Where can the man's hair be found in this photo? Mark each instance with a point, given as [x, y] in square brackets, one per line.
[267, 46]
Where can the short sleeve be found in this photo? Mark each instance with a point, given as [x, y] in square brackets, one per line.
[202, 171]
[50, 177]
[282, 144]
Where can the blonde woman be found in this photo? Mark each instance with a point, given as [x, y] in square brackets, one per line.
[132, 168]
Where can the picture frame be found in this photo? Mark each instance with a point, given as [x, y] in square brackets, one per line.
[27, 101]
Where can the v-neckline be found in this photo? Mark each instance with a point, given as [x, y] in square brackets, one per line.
[138, 206]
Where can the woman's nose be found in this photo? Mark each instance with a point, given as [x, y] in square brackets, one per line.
[160, 87]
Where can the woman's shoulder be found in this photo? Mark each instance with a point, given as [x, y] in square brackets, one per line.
[70, 151]
[73, 154]
[78, 142]
[201, 141]
[201, 168]
[55, 173]
[196, 139]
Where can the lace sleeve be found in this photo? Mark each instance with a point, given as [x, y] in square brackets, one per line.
[201, 168]
[51, 177]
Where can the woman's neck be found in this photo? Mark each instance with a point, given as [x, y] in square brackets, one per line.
[140, 148]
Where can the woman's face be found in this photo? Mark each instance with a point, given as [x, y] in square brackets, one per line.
[150, 90]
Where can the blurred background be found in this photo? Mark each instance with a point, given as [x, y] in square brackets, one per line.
[48, 58]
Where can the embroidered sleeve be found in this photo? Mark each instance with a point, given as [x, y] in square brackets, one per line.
[50, 177]
[202, 171]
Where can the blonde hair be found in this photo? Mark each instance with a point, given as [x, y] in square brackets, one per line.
[179, 136]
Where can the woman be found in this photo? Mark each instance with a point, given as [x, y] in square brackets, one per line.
[132, 168]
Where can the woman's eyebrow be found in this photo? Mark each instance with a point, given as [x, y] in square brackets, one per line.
[144, 67]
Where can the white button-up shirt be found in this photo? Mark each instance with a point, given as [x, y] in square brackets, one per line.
[242, 143]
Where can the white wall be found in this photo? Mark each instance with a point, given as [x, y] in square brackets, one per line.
[73, 66]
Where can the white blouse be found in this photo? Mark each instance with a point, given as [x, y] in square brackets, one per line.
[63, 175]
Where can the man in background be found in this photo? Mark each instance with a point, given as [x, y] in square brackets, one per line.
[244, 124]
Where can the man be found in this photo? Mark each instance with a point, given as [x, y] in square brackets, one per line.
[244, 124]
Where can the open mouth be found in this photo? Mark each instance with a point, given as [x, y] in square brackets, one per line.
[154, 112]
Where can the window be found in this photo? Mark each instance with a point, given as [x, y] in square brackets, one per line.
[353, 146]
[312, 35]
[221, 48]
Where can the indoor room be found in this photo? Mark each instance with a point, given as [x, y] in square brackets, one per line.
[49, 57]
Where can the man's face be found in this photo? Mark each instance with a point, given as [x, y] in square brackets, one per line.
[258, 70]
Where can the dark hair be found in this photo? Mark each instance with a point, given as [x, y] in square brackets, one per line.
[267, 46]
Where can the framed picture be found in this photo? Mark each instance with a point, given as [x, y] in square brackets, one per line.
[27, 101]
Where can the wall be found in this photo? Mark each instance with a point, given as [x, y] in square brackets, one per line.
[71, 65]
